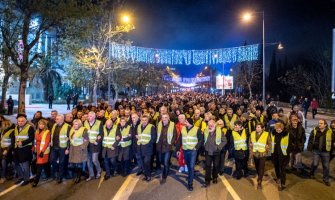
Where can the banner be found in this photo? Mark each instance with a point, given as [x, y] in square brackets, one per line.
[228, 82]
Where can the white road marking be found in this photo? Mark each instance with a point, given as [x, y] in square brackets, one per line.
[126, 188]
[10, 189]
[230, 188]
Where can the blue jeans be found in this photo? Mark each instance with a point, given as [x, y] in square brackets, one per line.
[165, 160]
[190, 157]
[93, 158]
[3, 167]
[23, 171]
[58, 154]
[324, 156]
[139, 162]
[108, 162]
[144, 163]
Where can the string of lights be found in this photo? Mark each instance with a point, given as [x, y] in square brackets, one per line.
[136, 54]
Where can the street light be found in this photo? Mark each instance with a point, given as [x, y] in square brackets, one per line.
[247, 17]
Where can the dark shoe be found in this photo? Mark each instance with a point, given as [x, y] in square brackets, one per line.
[221, 173]
[282, 187]
[18, 181]
[106, 177]
[190, 188]
[163, 181]
[206, 184]
[34, 184]
[139, 173]
[59, 181]
[25, 183]
[148, 179]
[327, 183]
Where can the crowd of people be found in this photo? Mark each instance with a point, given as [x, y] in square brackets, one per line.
[144, 134]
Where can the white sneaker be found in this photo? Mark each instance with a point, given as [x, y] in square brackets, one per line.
[186, 170]
[181, 169]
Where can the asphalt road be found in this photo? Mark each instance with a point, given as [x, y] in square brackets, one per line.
[133, 188]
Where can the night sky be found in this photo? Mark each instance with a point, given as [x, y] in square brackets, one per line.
[301, 25]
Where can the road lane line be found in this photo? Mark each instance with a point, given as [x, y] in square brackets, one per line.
[10, 189]
[126, 188]
[229, 188]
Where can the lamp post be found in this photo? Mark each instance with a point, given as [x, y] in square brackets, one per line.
[247, 17]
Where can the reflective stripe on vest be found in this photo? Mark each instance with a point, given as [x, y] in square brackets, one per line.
[93, 131]
[62, 135]
[6, 141]
[230, 123]
[169, 131]
[240, 141]
[260, 144]
[328, 138]
[218, 134]
[109, 138]
[125, 134]
[145, 135]
[283, 144]
[190, 138]
[22, 135]
[44, 137]
[76, 136]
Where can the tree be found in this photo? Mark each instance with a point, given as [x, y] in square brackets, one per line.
[95, 55]
[248, 75]
[48, 72]
[30, 19]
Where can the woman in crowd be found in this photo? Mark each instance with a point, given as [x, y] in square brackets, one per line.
[42, 150]
[78, 148]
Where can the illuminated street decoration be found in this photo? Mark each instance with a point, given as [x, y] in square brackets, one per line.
[135, 54]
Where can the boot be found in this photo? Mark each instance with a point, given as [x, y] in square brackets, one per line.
[78, 176]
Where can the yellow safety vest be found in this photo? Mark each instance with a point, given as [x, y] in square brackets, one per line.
[190, 138]
[62, 135]
[22, 135]
[155, 116]
[218, 134]
[145, 135]
[283, 144]
[125, 134]
[108, 115]
[328, 138]
[230, 123]
[224, 130]
[169, 131]
[240, 141]
[260, 144]
[44, 137]
[77, 136]
[6, 141]
[109, 138]
[93, 131]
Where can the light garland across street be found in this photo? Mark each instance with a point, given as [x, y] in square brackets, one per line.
[136, 54]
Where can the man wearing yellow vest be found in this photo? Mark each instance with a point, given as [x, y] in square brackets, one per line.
[240, 144]
[229, 119]
[59, 147]
[7, 146]
[145, 139]
[215, 140]
[125, 144]
[95, 131]
[166, 136]
[259, 144]
[24, 138]
[190, 139]
[281, 149]
[110, 148]
[321, 143]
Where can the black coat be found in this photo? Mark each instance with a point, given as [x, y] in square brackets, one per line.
[25, 154]
[298, 136]
[147, 150]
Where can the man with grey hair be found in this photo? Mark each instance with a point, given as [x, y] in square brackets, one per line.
[59, 147]
[95, 131]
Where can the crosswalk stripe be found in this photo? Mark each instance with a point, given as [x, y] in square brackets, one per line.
[230, 188]
[126, 188]
[10, 189]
